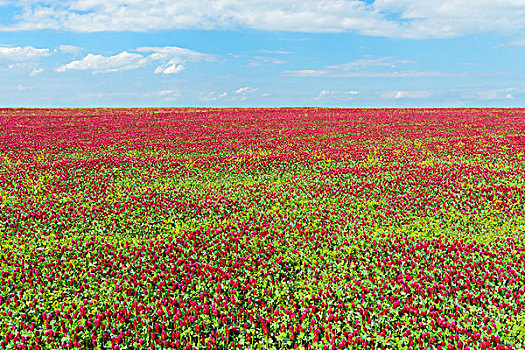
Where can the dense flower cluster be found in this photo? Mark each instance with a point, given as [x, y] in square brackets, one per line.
[262, 229]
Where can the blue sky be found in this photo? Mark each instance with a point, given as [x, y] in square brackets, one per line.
[344, 53]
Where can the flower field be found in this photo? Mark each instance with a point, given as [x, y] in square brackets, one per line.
[298, 228]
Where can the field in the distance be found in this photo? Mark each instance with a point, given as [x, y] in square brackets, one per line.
[262, 228]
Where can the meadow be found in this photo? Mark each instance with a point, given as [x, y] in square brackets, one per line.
[292, 228]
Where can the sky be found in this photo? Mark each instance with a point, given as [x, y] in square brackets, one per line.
[265, 53]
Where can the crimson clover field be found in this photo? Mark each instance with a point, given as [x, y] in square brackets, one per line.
[293, 228]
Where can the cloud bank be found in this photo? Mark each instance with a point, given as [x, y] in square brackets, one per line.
[385, 18]
[22, 53]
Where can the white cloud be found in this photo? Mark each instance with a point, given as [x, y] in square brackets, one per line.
[70, 49]
[400, 74]
[277, 52]
[349, 95]
[407, 94]
[172, 60]
[175, 58]
[386, 18]
[518, 42]
[36, 71]
[324, 93]
[171, 67]
[368, 61]
[401, 94]
[212, 96]
[106, 64]
[244, 90]
[256, 61]
[169, 95]
[305, 73]
[334, 95]
[367, 67]
[243, 93]
[495, 94]
[452, 18]
[25, 53]
[176, 52]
